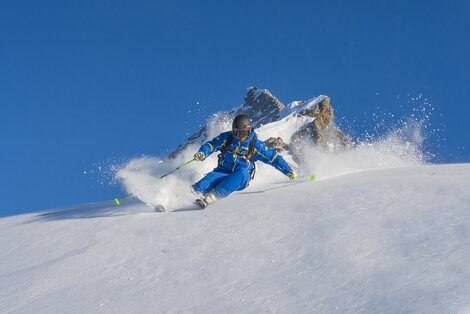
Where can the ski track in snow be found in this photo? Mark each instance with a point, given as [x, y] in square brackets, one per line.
[377, 241]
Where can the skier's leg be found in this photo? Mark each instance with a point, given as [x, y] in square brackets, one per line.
[209, 181]
[235, 181]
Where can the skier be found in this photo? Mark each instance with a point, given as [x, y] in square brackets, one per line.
[239, 149]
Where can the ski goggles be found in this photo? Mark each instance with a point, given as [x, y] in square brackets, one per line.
[241, 132]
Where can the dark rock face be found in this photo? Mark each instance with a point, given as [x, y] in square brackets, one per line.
[264, 108]
[261, 106]
[276, 143]
[321, 130]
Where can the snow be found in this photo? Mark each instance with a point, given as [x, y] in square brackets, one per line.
[296, 106]
[290, 120]
[283, 128]
[374, 241]
[379, 231]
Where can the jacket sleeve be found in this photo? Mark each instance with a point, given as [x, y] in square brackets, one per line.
[214, 145]
[270, 157]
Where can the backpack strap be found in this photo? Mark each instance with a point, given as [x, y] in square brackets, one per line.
[251, 149]
[251, 155]
[225, 147]
[227, 144]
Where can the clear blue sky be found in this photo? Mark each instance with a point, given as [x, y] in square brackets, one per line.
[85, 81]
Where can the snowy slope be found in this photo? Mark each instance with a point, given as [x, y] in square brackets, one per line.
[373, 241]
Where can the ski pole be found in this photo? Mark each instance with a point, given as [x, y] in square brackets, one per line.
[117, 201]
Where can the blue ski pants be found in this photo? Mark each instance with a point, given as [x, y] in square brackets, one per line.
[222, 183]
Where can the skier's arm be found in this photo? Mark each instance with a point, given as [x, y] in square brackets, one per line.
[269, 156]
[213, 145]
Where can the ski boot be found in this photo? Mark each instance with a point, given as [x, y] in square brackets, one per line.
[206, 200]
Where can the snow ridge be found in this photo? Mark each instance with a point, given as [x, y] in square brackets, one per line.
[378, 241]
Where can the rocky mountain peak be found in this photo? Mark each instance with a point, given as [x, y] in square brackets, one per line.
[265, 110]
[262, 106]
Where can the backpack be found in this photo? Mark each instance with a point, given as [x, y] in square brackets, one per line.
[251, 152]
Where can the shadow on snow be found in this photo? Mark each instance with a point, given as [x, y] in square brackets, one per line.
[95, 210]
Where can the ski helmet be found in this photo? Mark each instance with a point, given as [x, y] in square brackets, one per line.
[241, 126]
[242, 121]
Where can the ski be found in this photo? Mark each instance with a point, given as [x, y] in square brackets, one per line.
[200, 203]
[159, 208]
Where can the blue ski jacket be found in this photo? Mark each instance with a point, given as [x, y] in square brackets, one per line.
[233, 159]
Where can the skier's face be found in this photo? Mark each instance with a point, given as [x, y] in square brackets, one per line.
[241, 134]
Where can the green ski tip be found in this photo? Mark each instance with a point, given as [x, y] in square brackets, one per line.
[116, 201]
[312, 177]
